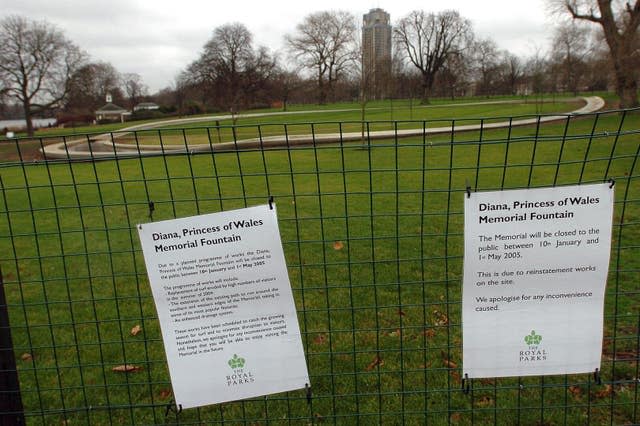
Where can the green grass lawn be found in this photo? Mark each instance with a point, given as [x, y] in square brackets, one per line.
[373, 241]
[341, 118]
[385, 111]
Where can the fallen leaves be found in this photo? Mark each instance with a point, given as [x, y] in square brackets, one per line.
[376, 362]
[165, 394]
[484, 401]
[447, 361]
[26, 357]
[126, 368]
[449, 364]
[626, 356]
[130, 368]
[395, 333]
[338, 245]
[320, 339]
[575, 391]
[429, 333]
[440, 318]
[605, 392]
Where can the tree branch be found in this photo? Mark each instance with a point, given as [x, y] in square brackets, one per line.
[572, 7]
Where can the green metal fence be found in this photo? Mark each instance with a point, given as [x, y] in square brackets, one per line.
[373, 236]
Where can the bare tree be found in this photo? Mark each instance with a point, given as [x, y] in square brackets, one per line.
[569, 51]
[538, 77]
[4, 94]
[364, 79]
[258, 77]
[37, 63]
[455, 76]
[286, 82]
[596, 78]
[223, 60]
[183, 90]
[619, 21]
[229, 69]
[324, 42]
[134, 88]
[90, 85]
[511, 71]
[485, 55]
[427, 40]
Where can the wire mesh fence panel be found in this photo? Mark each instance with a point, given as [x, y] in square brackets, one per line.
[372, 228]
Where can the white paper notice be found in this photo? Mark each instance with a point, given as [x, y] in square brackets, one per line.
[225, 306]
[535, 269]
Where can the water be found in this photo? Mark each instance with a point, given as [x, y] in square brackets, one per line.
[22, 124]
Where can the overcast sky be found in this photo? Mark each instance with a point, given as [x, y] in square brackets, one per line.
[159, 38]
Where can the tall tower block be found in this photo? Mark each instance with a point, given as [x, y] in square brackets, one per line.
[376, 52]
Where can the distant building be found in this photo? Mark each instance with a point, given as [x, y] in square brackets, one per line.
[376, 52]
[111, 112]
[146, 106]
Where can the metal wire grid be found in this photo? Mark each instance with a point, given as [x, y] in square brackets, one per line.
[372, 233]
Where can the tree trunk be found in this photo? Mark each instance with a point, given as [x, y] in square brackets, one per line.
[26, 107]
[626, 84]
[322, 96]
[622, 49]
[363, 111]
[627, 90]
[427, 83]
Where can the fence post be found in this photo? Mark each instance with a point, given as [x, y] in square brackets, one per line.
[11, 411]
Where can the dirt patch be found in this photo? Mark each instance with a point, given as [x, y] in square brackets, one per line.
[23, 149]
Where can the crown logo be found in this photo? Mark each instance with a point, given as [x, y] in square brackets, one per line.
[533, 338]
[236, 362]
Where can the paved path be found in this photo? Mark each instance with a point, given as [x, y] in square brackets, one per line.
[106, 145]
